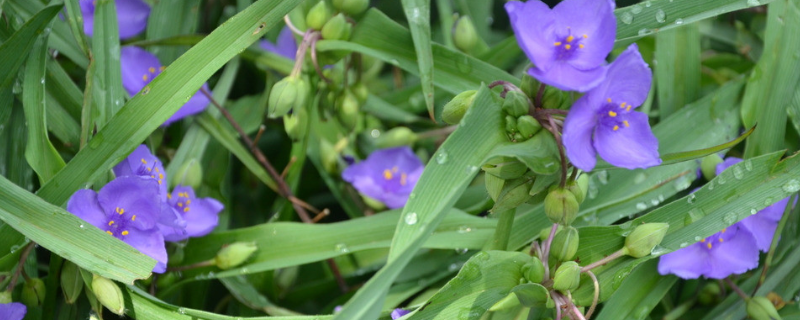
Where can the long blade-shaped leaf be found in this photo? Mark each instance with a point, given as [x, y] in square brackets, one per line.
[418, 14]
[15, 49]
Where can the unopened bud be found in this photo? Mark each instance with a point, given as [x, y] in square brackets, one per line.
[516, 103]
[295, 124]
[464, 35]
[710, 294]
[583, 184]
[329, 156]
[514, 193]
[399, 136]
[289, 93]
[529, 85]
[576, 190]
[565, 244]
[318, 16]
[644, 238]
[71, 282]
[351, 7]
[505, 167]
[336, 28]
[511, 124]
[167, 279]
[528, 126]
[709, 165]
[189, 174]
[760, 308]
[347, 110]
[361, 91]
[455, 109]
[5, 297]
[176, 254]
[108, 293]
[567, 277]
[33, 292]
[533, 270]
[554, 98]
[561, 206]
[234, 254]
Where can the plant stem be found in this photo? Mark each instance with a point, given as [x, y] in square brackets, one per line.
[609, 258]
[737, 289]
[20, 265]
[546, 250]
[502, 233]
[596, 297]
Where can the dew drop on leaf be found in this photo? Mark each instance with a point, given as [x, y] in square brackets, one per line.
[411, 218]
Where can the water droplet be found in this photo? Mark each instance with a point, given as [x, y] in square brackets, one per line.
[14, 248]
[684, 244]
[81, 226]
[711, 185]
[753, 3]
[481, 256]
[647, 4]
[592, 191]
[41, 81]
[464, 229]
[463, 64]
[636, 9]
[693, 216]
[461, 250]
[792, 186]
[679, 21]
[471, 169]
[738, 173]
[645, 31]
[619, 277]
[730, 218]
[626, 17]
[375, 133]
[342, 248]
[748, 165]
[769, 201]
[655, 202]
[697, 238]
[441, 157]
[181, 310]
[244, 271]
[658, 250]
[452, 267]
[602, 176]
[411, 218]
[691, 198]
[753, 211]
[146, 90]
[661, 17]
[641, 206]
[639, 178]
[467, 313]
[722, 179]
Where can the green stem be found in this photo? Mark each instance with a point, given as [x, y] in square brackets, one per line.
[503, 231]
[774, 244]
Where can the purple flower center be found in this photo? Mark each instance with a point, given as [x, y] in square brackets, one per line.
[716, 239]
[393, 179]
[568, 44]
[151, 73]
[118, 223]
[614, 116]
[148, 169]
[181, 204]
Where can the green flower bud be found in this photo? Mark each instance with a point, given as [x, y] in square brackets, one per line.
[528, 126]
[455, 109]
[5, 297]
[516, 103]
[710, 294]
[399, 136]
[565, 244]
[347, 110]
[505, 167]
[567, 277]
[583, 183]
[234, 254]
[296, 124]
[167, 279]
[464, 35]
[760, 308]
[33, 293]
[109, 294]
[709, 165]
[644, 238]
[555, 99]
[514, 193]
[336, 28]
[533, 270]
[189, 174]
[71, 281]
[373, 203]
[351, 7]
[511, 124]
[318, 16]
[561, 206]
[329, 156]
[289, 93]
[529, 85]
[576, 190]
[361, 91]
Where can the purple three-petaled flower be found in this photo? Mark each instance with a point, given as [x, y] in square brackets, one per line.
[127, 208]
[139, 67]
[285, 45]
[12, 311]
[603, 121]
[398, 313]
[131, 16]
[568, 44]
[387, 175]
[201, 214]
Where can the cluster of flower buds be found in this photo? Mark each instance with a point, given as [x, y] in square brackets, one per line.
[520, 126]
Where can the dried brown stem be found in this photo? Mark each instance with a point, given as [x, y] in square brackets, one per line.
[553, 128]
[261, 130]
[285, 172]
[539, 96]
[321, 215]
[21, 265]
[737, 289]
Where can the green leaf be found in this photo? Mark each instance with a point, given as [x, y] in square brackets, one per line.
[532, 295]
[61, 38]
[677, 73]
[15, 50]
[107, 88]
[638, 295]
[168, 19]
[418, 14]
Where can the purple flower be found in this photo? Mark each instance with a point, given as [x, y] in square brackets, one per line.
[568, 45]
[131, 16]
[139, 67]
[12, 311]
[200, 214]
[397, 313]
[603, 121]
[285, 45]
[128, 209]
[387, 175]
[730, 251]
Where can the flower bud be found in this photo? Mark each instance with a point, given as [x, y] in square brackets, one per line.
[167, 279]
[336, 28]
[565, 244]
[234, 254]
[710, 294]
[189, 174]
[295, 124]
[5, 297]
[329, 156]
[760, 308]
[464, 35]
[455, 109]
[318, 16]
[514, 193]
[533, 270]
[289, 93]
[108, 293]
[505, 167]
[351, 7]
[516, 103]
[644, 238]
[576, 190]
[583, 184]
[33, 292]
[528, 126]
[567, 277]
[561, 206]
[709, 165]
[511, 124]
[361, 91]
[529, 85]
[399, 136]
[554, 98]
[71, 281]
[347, 110]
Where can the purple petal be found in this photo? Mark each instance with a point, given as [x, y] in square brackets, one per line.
[686, 263]
[151, 243]
[387, 175]
[763, 224]
[171, 224]
[87, 11]
[735, 255]
[195, 105]
[201, 214]
[285, 45]
[138, 68]
[141, 162]
[397, 313]
[628, 147]
[566, 77]
[727, 163]
[578, 129]
[83, 204]
[132, 17]
[129, 196]
[12, 311]
[628, 79]
[592, 18]
[533, 25]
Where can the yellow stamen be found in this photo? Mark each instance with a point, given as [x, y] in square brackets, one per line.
[125, 233]
[169, 196]
[585, 36]
[120, 210]
[570, 38]
[616, 128]
[626, 123]
[622, 105]
[609, 100]
[144, 161]
[557, 43]
[186, 209]
[109, 232]
[188, 202]
[720, 239]
[704, 240]
[144, 77]
[566, 46]
[580, 46]
[708, 245]
[180, 204]
[724, 229]
[133, 218]
[151, 69]
[111, 222]
[403, 178]
[612, 113]
[387, 174]
[394, 169]
[161, 68]
[160, 176]
[628, 108]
